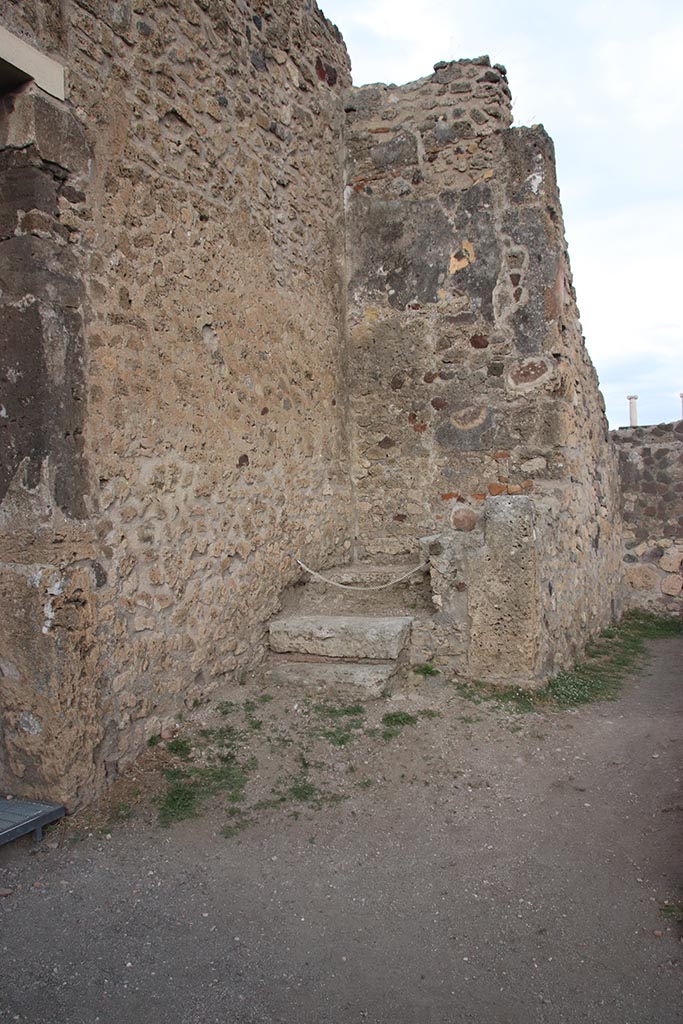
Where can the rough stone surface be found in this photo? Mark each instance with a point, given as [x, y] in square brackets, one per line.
[174, 420]
[505, 642]
[469, 376]
[341, 636]
[250, 315]
[336, 678]
[651, 476]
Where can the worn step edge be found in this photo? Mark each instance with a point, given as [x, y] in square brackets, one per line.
[372, 679]
[285, 657]
[341, 636]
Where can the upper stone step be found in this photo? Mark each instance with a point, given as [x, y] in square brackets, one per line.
[365, 574]
[341, 636]
[315, 596]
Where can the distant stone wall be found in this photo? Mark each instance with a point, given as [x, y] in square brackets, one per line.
[651, 477]
[175, 421]
[470, 382]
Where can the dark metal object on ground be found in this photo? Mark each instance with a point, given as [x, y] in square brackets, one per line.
[19, 817]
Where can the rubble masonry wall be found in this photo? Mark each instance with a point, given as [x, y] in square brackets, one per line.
[251, 314]
[470, 381]
[175, 275]
[651, 478]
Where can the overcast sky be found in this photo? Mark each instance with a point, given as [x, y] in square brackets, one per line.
[604, 78]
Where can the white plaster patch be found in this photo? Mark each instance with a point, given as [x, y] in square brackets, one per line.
[535, 181]
[34, 577]
[209, 336]
[536, 178]
[48, 610]
[536, 465]
[29, 723]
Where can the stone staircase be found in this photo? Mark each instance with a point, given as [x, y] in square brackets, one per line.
[343, 641]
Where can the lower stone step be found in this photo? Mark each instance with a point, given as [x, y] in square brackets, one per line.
[336, 678]
[341, 636]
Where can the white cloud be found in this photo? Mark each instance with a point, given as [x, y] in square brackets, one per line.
[627, 285]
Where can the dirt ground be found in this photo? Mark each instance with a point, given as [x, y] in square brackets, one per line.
[456, 862]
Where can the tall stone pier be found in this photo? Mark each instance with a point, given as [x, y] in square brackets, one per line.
[470, 384]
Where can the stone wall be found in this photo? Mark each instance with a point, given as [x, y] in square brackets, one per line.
[174, 420]
[220, 354]
[651, 476]
[49, 685]
[470, 381]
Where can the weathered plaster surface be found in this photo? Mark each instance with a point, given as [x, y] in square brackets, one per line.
[469, 379]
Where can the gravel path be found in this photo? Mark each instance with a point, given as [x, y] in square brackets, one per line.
[494, 869]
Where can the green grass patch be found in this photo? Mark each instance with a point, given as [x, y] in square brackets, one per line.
[609, 658]
[180, 801]
[394, 723]
[227, 736]
[226, 707]
[425, 669]
[345, 721]
[253, 723]
[599, 676]
[123, 812]
[189, 783]
[338, 736]
[672, 910]
[179, 747]
[303, 790]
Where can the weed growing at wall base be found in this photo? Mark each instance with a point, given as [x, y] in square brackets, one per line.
[599, 676]
[425, 669]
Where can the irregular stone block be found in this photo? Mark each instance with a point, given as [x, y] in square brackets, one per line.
[463, 519]
[371, 680]
[341, 636]
[641, 577]
[672, 586]
[672, 559]
[503, 595]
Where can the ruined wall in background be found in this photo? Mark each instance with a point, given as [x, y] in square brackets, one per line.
[181, 290]
[469, 377]
[651, 479]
